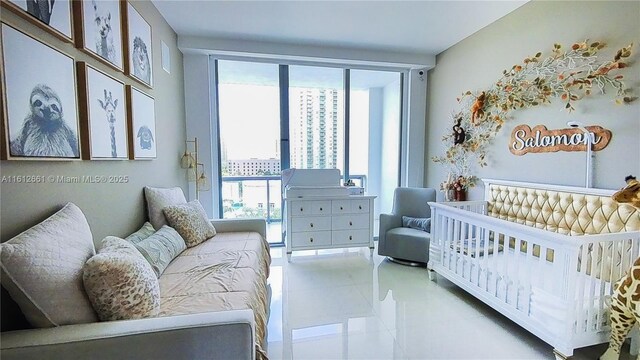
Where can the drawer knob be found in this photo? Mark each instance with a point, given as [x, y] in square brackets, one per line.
[311, 239]
[320, 209]
[311, 224]
[350, 223]
[350, 237]
[340, 207]
[301, 209]
[360, 207]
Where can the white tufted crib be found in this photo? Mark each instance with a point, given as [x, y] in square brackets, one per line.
[545, 256]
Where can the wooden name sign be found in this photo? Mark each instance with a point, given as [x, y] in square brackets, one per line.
[539, 139]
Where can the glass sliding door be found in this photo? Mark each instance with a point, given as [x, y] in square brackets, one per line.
[374, 134]
[249, 118]
[316, 117]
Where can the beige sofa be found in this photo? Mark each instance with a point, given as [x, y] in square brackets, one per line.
[214, 305]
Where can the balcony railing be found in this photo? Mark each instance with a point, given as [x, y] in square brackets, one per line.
[246, 200]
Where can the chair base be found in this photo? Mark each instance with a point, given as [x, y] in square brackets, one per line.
[406, 262]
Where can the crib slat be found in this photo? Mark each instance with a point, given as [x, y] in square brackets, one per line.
[580, 296]
[591, 311]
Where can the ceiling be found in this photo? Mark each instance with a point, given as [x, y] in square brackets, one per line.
[421, 27]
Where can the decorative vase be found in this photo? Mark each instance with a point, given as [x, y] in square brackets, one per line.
[460, 195]
[449, 195]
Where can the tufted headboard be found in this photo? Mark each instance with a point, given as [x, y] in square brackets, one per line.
[562, 209]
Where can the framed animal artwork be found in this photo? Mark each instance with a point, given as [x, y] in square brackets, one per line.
[138, 47]
[142, 124]
[101, 33]
[103, 114]
[53, 16]
[40, 114]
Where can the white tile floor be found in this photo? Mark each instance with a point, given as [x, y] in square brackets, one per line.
[343, 304]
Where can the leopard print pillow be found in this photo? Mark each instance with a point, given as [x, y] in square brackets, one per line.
[120, 283]
[190, 221]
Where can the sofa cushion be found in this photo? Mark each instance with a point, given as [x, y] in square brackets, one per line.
[161, 247]
[144, 232]
[191, 222]
[158, 199]
[120, 282]
[228, 273]
[42, 269]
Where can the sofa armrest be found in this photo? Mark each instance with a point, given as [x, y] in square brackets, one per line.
[212, 335]
[387, 222]
[231, 225]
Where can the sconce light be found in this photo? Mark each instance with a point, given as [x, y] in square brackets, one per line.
[189, 161]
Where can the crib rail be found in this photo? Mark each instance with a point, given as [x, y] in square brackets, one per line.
[554, 285]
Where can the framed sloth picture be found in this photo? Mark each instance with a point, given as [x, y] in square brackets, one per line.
[101, 34]
[102, 106]
[140, 63]
[54, 16]
[40, 105]
[142, 120]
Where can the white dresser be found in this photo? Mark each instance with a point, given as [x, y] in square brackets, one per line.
[325, 222]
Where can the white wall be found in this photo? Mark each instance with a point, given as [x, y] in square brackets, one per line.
[199, 105]
[477, 62]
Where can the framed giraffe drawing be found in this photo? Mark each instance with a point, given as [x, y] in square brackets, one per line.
[102, 110]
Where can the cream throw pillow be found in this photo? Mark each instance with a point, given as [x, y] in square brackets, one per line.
[161, 248]
[42, 269]
[157, 199]
[144, 232]
[120, 282]
[190, 221]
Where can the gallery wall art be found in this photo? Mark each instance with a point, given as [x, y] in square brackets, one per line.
[142, 135]
[140, 62]
[103, 111]
[40, 105]
[53, 16]
[101, 31]
[56, 108]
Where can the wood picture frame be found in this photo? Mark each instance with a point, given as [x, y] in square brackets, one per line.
[104, 125]
[138, 47]
[54, 17]
[142, 125]
[99, 30]
[40, 109]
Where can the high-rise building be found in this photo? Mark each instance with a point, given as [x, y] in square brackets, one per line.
[253, 167]
[314, 128]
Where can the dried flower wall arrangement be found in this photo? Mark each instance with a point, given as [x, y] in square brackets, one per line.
[570, 75]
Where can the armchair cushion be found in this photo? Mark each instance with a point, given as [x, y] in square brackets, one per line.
[423, 224]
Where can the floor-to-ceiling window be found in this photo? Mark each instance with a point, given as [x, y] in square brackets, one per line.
[249, 118]
[334, 118]
[316, 117]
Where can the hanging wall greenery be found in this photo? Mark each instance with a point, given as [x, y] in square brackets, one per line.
[570, 75]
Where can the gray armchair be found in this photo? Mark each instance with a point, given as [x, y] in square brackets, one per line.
[406, 245]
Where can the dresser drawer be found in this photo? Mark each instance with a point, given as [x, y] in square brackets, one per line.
[311, 223]
[346, 222]
[306, 208]
[311, 239]
[360, 206]
[320, 207]
[346, 237]
[340, 207]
